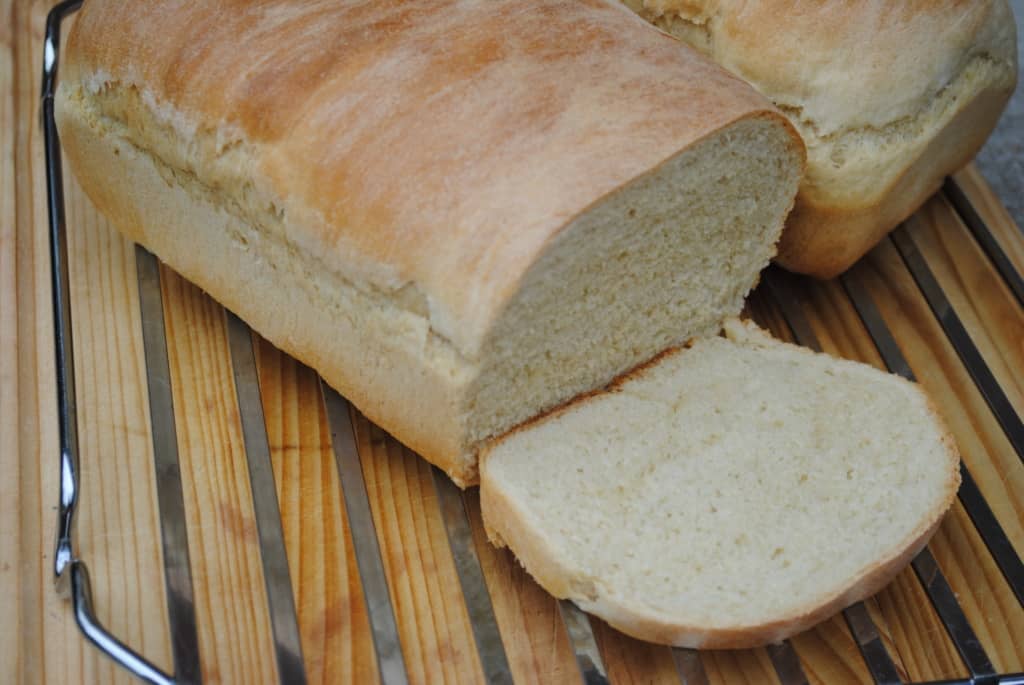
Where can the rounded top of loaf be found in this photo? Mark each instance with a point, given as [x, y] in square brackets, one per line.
[434, 147]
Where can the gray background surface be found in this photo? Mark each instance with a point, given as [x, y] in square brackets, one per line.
[1002, 158]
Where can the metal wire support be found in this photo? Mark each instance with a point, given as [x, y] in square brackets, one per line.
[70, 573]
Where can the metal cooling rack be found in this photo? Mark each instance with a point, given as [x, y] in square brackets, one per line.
[71, 575]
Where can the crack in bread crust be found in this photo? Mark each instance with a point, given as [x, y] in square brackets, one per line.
[890, 97]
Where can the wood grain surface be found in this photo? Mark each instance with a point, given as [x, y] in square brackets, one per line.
[231, 605]
[981, 298]
[631, 661]
[748, 667]
[119, 530]
[994, 214]
[333, 622]
[829, 654]
[437, 640]
[10, 480]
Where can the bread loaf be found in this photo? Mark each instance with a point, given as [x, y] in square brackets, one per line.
[460, 214]
[890, 96]
[727, 495]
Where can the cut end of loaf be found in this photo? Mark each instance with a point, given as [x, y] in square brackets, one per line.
[728, 496]
[660, 261]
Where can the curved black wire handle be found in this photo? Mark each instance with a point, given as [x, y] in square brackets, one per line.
[70, 573]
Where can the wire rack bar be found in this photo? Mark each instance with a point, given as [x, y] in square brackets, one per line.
[388, 647]
[981, 232]
[869, 640]
[181, 611]
[689, 666]
[71, 575]
[471, 577]
[960, 631]
[584, 645]
[284, 623]
[787, 664]
[992, 534]
[960, 339]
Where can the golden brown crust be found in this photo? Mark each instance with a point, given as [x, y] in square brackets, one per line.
[361, 136]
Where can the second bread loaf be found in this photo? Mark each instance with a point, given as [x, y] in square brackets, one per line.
[890, 96]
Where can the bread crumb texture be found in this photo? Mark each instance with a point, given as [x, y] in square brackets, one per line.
[727, 494]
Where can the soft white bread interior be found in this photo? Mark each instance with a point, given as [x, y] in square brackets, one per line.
[461, 214]
[729, 494]
[890, 96]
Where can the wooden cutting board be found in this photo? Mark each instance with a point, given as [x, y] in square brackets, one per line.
[430, 537]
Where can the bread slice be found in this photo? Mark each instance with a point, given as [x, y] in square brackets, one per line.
[460, 214]
[890, 96]
[727, 495]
